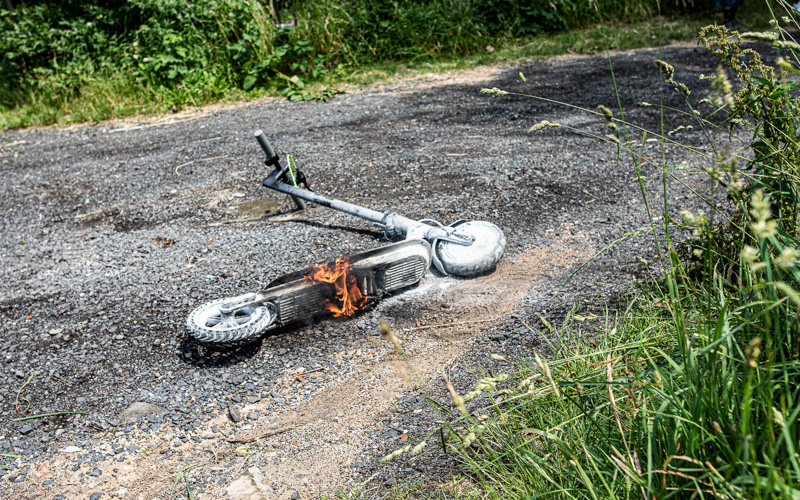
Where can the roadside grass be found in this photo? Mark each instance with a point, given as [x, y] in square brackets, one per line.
[456, 488]
[583, 41]
[110, 95]
[693, 391]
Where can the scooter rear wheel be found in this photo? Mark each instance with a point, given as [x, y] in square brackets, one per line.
[210, 327]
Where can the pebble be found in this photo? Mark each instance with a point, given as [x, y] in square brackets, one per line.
[234, 414]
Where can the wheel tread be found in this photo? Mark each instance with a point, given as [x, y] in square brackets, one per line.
[226, 339]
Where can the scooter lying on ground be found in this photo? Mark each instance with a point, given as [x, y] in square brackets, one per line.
[464, 248]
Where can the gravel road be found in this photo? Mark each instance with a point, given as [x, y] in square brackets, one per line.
[112, 233]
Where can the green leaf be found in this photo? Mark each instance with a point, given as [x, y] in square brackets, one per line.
[761, 80]
[249, 81]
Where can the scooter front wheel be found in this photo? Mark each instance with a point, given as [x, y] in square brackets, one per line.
[488, 245]
[209, 326]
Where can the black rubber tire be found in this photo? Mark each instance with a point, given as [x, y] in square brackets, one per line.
[480, 257]
[254, 321]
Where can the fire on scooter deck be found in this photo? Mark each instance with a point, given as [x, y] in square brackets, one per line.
[338, 288]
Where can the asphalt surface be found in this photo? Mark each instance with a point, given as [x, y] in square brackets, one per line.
[111, 234]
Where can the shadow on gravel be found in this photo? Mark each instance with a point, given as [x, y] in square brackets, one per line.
[198, 356]
[350, 229]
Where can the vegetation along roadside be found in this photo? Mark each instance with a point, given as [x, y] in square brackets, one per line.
[693, 390]
[76, 61]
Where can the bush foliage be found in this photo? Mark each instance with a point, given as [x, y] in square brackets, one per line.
[185, 50]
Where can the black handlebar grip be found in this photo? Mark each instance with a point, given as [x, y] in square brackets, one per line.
[265, 145]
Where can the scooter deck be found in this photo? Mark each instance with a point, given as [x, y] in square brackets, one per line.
[377, 272]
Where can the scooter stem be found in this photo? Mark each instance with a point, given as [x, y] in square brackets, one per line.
[392, 223]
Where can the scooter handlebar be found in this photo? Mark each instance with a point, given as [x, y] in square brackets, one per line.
[265, 145]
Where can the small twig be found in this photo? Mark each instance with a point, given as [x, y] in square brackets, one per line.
[237, 221]
[81, 216]
[204, 159]
[441, 433]
[10, 456]
[445, 325]
[16, 401]
[267, 434]
[42, 415]
[370, 478]
[182, 165]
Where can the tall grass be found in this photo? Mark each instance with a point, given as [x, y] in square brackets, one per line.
[693, 391]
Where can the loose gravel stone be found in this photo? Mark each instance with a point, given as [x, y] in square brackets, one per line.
[234, 414]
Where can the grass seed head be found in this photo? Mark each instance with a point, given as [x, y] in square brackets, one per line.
[722, 85]
[786, 259]
[468, 440]
[666, 69]
[493, 91]
[778, 417]
[752, 353]
[388, 335]
[542, 124]
[607, 114]
[546, 369]
[396, 453]
[786, 65]
[749, 254]
[418, 448]
[761, 36]
[783, 44]
[762, 225]
[458, 401]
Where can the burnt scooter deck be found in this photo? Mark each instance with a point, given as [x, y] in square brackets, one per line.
[297, 297]
[377, 272]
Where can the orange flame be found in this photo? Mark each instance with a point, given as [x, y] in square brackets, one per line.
[347, 292]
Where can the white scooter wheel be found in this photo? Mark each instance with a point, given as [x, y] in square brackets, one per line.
[482, 256]
[210, 327]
